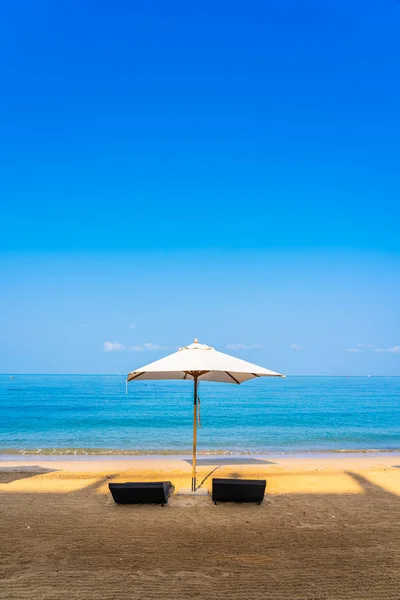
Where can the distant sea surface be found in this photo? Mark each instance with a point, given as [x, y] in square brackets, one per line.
[87, 414]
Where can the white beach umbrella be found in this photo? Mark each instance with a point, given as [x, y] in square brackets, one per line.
[200, 363]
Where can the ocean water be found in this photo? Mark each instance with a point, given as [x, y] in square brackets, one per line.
[92, 414]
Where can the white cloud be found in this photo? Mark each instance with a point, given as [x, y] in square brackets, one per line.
[147, 346]
[150, 346]
[242, 346]
[394, 349]
[295, 347]
[362, 347]
[366, 346]
[84, 325]
[113, 347]
[132, 325]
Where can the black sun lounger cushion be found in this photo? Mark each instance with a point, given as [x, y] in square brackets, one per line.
[238, 490]
[155, 492]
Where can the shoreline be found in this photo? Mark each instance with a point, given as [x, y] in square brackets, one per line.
[118, 454]
[179, 467]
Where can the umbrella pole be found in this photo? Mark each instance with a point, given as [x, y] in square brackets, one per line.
[194, 434]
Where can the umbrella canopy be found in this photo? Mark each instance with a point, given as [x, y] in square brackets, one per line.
[206, 362]
[200, 363]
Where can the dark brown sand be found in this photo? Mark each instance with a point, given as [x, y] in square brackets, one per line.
[320, 534]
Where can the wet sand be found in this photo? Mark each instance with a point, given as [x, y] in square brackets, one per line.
[329, 528]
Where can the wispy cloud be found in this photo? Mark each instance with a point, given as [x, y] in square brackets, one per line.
[147, 346]
[361, 347]
[84, 325]
[242, 346]
[132, 325]
[366, 346]
[150, 346]
[118, 347]
[295, 347]
[113, 347]
[394, 349]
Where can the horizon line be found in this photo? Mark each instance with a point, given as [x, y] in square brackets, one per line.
[10, 373]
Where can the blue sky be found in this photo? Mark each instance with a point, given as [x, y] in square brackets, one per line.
[227, 171]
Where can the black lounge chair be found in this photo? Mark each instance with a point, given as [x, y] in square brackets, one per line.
[155, 492]
[238, 490]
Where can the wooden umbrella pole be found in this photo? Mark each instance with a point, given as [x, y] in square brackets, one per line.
[194, 433]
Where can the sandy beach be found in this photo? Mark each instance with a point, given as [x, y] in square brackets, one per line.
[329, 528]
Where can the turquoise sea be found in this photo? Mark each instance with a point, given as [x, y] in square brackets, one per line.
[92, 414]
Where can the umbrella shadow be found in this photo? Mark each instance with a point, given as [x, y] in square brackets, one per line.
[229, 461]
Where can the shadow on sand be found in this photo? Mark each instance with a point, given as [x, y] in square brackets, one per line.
[222, 462]
[372, 489]
[305, 545]
[10, 474]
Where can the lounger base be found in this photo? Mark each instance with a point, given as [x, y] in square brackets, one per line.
[189, 492]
